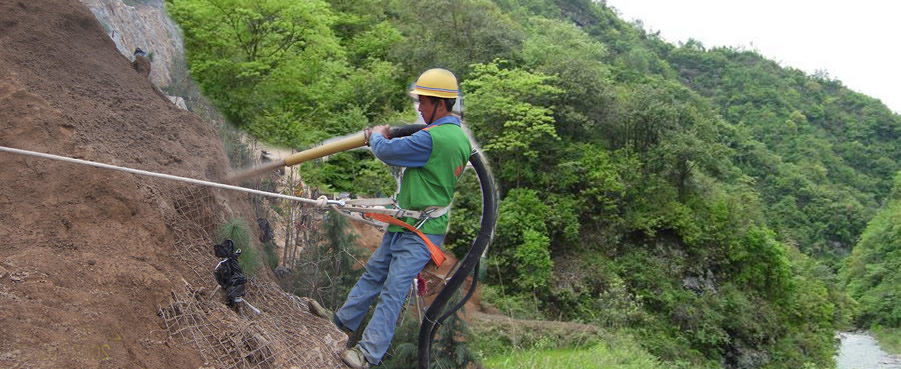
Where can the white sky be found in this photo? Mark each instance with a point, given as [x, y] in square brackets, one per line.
[857, 42]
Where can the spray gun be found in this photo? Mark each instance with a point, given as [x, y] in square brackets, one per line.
[344, 144]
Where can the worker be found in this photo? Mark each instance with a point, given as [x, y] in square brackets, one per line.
[141, 63]
[434, 158]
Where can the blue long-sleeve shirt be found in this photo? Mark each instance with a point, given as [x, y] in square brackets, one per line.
[412, 151]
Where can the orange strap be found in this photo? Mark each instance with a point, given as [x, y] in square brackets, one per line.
[437, 255]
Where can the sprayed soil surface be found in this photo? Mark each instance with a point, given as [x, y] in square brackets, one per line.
[91, 269]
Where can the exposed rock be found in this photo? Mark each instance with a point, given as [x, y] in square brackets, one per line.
[700, 283]
[18, 276]
[144, 26]
[10, 355]
[178, 101]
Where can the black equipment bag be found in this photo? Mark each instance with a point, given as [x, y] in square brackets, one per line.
[224, 249]
[228, 272]
[266, 233]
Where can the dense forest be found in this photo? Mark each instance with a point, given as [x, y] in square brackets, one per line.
[702, 201]
[873, 273]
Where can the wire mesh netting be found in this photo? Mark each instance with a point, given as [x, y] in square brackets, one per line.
[283, 335]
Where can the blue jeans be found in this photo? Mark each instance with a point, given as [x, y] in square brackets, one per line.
[389, 274]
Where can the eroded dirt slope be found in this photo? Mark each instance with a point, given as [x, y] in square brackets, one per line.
[87, 256]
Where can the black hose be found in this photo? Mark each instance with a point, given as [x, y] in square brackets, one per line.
[472, 289]
[406, 130]
[469, 264]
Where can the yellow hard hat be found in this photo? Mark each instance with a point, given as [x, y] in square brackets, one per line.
[437, 82]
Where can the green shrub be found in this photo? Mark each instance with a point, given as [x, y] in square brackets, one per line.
[236, 229]
[872, 272]
[271, 255]
[517, 306]
[250, 261]
[598, 295]
[450, 348]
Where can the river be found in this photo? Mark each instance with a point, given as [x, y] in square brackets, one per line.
[860, 351]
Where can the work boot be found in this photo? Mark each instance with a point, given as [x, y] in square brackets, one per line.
[354, 358]
[324, 313]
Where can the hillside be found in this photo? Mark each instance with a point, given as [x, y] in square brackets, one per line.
[105, 269]
[700, 200]
[873, 273]
[824, 155]
[696, 202]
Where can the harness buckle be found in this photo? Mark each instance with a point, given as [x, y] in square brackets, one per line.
[424, 217]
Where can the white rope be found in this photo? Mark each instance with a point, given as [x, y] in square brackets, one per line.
[158, 175]
[321, 202]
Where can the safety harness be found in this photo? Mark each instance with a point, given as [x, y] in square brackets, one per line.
[437, 255]
[391, 216]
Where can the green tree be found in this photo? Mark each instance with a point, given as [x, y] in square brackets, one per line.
[511, 114]
[453, 34]
[560, 49]
[276, 69]
[872, 271]
[522, 245]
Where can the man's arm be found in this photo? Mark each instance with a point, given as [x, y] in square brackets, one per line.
[411, 152]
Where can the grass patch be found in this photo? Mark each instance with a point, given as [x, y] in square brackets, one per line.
[237, 230]
[597, 356]
[508, 336]
[889, 339]
[509, 343]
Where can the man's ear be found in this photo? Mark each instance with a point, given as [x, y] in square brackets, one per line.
[443, 104]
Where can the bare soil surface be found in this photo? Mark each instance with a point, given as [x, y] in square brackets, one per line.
[88, 258]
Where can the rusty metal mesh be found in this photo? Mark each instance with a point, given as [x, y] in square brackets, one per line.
[284, 335]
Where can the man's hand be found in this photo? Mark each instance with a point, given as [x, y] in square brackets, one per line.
[385, 130]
